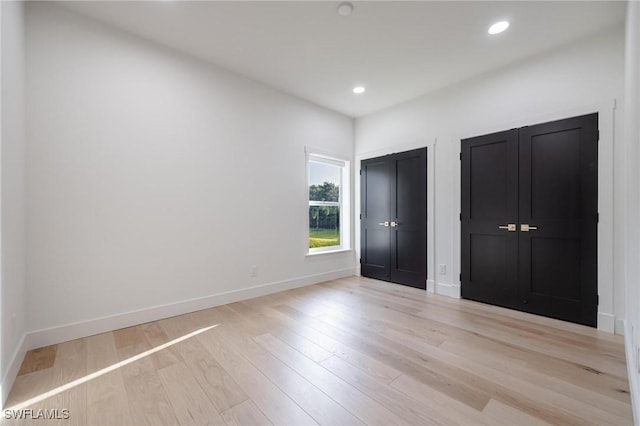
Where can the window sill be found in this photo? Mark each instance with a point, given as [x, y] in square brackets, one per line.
[318, 253]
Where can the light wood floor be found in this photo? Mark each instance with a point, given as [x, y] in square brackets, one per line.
[346, 352]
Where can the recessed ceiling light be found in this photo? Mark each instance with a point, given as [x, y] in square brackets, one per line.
[345, 9]
[498, 27]
[358, 90]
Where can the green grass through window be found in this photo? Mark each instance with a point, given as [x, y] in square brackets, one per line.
[324, 237]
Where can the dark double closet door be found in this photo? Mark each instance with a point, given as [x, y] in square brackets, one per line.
[393, 219]
[529, 219]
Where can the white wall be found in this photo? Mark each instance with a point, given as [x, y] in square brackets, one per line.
[631, 205]
[12, 231]
[577, 79]
[154, 178]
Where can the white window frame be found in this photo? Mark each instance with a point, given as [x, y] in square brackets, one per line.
[344, 199]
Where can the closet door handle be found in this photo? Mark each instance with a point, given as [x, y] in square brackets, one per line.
[394, 224]
[525, 227]
[511, 227]
[384, 223]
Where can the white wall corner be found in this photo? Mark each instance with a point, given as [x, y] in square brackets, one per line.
[634, 385]
[64, 333]
[431, 286]
[606, 322]
[619, 327]
[12, 372]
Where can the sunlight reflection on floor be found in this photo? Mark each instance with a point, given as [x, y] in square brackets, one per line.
[106, 370]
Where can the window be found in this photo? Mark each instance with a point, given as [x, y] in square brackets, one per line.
[328, 195]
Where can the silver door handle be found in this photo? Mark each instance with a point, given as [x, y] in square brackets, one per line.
[394, 224]
[511, 227]
[384, 223]
[525, 227]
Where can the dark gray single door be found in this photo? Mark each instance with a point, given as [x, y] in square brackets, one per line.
[559, 203]
[489, 218]
[375, 238]
[394, 218]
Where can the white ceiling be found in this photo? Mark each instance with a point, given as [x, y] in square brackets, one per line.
[397, 50]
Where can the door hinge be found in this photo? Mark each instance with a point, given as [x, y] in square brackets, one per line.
[597, 300]
[460, 216]
[598, 217]
[360, 172]
[460, 276]
[360, 216]
[598, 136]
[360, 260]
[461, 156]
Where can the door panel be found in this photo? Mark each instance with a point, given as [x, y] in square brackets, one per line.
[490, 260]
[558, 196]
[409, 212]
[376, 209]
[489, 200]
[489, 179]
[394, 218]
[408, 252]
[376, 180]
[377, 248]
[555, 260]
[555, 175]
[409, 195]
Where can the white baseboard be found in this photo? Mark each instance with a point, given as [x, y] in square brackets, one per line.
[12, 371]
[446, 289]
[634, 376]
[64, 333]
[455, 291]
[431, 286]
[606, 322]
